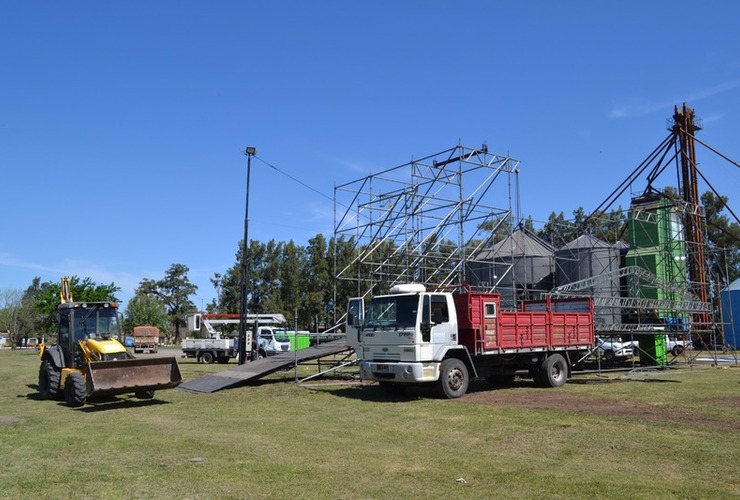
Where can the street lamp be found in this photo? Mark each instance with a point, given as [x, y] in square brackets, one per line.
[250, 151]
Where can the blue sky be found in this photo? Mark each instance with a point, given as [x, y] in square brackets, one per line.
[123, 123]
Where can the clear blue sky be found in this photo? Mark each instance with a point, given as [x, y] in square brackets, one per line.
[123, 123]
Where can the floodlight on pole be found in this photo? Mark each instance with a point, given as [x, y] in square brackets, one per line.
[249, 152]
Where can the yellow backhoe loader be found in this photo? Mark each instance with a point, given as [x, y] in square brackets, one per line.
[89, 361]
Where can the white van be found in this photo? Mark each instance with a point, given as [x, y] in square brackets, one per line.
[271, 341]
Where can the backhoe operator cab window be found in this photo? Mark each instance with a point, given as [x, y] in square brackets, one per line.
[96, 323]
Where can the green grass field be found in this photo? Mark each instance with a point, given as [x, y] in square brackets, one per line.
[278, 439]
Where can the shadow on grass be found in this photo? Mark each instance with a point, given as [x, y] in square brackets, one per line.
[103, 403]
[373, 392]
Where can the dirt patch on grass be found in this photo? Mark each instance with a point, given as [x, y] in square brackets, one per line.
[554, 399]
[5, 420]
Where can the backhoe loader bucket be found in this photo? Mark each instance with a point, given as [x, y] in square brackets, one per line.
[132, 375]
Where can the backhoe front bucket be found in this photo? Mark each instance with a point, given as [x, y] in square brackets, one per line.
[132, 375]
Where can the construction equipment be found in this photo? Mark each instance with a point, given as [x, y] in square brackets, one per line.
[88, 361]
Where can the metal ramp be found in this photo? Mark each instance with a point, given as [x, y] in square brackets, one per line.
[254, 370]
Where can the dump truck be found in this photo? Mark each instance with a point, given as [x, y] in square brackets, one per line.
[146, 338]
[448, 336]
[88, 361]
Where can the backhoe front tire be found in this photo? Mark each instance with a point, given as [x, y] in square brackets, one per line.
[144, 394]
[75, 392]
[49, 378]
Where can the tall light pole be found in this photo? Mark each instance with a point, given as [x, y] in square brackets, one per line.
[250, 151]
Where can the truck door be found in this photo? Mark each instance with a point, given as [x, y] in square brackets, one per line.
[442, 330]
[353, 324]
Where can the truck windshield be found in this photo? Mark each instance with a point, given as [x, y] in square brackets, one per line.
[281, 336]
[392, 312]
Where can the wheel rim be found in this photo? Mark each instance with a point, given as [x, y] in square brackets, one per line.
[455, 379]
[556, 372]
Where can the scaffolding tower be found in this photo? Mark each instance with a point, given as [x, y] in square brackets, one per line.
[426, 220]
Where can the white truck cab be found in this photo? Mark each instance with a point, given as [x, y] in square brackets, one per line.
[405, 335]
[271, 341]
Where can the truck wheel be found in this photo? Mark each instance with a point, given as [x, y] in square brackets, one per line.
[206, 357]
[554, 371]
[453, 378]
[49, 378]
[677, 350]
[609, 356]
[222, 360]
[75, 392]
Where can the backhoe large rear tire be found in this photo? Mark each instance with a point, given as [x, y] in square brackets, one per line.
[75, 392]
[49, 378]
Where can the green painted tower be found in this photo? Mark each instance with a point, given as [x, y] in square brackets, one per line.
[656, 237]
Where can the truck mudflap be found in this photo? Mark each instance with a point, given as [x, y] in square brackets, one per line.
[132, 375]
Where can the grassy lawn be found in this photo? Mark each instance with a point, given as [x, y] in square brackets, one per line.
[278, 439]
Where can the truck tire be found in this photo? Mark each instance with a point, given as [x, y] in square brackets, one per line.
[49, 378]
[74, 390]
[677, 350]
[222, 360]
[554, 371]
[206, 357]
[453, 379]
[610, 356]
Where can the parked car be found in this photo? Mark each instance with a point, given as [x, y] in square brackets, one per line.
[675, 344]
[611, 349]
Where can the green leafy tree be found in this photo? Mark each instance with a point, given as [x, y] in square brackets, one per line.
[557, 231]
[46, 296]
[724, 238]
[145, 309]
[318, 284]
[174, 291]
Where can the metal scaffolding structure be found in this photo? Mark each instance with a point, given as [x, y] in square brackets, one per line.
[426, 220]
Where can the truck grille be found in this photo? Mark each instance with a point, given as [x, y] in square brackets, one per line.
[386, 356]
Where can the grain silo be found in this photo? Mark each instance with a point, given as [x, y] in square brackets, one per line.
[589, 257]
[519, 267]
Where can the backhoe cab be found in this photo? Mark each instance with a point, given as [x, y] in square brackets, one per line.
[89, 361]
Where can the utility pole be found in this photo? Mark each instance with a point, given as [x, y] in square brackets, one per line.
[249, 152]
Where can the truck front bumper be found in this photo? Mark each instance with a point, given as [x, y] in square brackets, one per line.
[400, 372]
